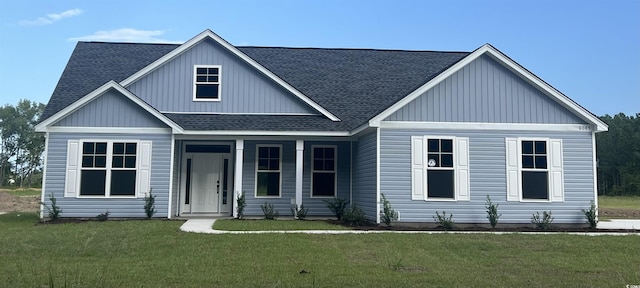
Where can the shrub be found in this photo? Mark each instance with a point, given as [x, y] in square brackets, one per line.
[299, 213]
[149, 204]
[337, 206]
[269, 212]
[388, 214]
[444, 221]
[544, 222]
[492, 212]
[354, 216]
[103, 216]
[240, 204]
[54, 211]
[591, 216]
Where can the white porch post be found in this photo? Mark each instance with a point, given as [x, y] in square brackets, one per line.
[299, 164]
[237, 183]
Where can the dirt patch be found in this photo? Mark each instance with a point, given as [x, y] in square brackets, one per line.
[12, 203]
[616, 213]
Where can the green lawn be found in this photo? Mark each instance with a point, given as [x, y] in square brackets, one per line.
[23, 191]
[154, 253]
[619, 202]
[265, 225]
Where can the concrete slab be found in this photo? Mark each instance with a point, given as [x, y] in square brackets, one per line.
[620, 224]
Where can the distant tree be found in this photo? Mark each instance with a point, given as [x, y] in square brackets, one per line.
[618, 153]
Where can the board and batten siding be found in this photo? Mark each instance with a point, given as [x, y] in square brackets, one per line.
[487, 164]
[317, 205]
[487, 92]
[112, 109]
[91, 207]
[364, 175]
[243, 89]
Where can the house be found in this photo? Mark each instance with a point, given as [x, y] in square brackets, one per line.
[204, 122]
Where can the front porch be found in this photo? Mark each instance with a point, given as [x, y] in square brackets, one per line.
[210, 175]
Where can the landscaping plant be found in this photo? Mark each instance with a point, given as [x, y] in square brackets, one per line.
[241, 203]
[544, 222]
[149, 204]
[337, 206]
[299, 212]
[492, 212]
[443, 221]
[103, 216]
[591, 216]
[54, 211]
[354, 216]
[388, 214]
[269, 212]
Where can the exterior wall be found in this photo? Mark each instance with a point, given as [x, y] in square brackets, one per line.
[364, 174]
[487, 163]
[485, 91]
[243, 90]
[112, 109]
[84, 207]
[317, 205]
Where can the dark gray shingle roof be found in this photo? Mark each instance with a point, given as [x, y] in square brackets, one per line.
[353, 84]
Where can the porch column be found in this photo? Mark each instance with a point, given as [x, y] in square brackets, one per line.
[299, 164]
[237, 183]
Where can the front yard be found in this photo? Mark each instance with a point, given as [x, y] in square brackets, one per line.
[155, 253]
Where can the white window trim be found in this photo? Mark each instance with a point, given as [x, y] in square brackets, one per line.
[109, 155]
[195, 83]
[550, 158]
[255, 193]
[458, 175]
[335, 170]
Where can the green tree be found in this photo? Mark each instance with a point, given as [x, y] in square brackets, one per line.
[618, 153]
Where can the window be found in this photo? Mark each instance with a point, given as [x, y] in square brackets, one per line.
[440, 168]
[207, 83]
[107, 168]
[268, 171]
[534, 169]
[323, 179]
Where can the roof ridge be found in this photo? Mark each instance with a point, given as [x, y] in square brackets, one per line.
[350, 49]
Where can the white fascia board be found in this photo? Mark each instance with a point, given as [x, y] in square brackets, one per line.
[487, 126]
[109, 130]
[267, 133]
[508, 63]
[45, 125]
[213, 36]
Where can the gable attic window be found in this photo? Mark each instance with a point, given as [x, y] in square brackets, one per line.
[206, 85]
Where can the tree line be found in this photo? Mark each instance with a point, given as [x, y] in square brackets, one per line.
[21, 149]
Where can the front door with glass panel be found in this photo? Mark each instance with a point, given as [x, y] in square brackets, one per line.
[206, 179]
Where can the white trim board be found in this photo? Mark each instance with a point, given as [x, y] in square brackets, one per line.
[208, 34]
[109, 130]
[46, 124]
[486, 126]
[511, 65]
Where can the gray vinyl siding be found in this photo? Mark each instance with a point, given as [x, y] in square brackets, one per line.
[84, 207]
[243, 89]
[317, 205]
[288, 184]
[364, 174]
[485, 91]
[487, 163]
[111, 109]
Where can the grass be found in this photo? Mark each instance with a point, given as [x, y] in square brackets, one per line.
[154, 253]
[619, 202]
[23, 191]
[257, 225]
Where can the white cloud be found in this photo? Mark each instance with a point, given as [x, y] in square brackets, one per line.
[51, 18]
[125, 35]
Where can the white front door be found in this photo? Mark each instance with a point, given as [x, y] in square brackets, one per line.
[206, 185]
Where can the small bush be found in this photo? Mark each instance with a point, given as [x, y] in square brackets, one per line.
[149, 204]
[544, 222]
[269, 212]
[444, 221]
[103, 216]
[492, 212]
[337, 206]
[240, 204]
[354, 216]
[591, 216]
[54, 211]
[299, 213]
[388, 214]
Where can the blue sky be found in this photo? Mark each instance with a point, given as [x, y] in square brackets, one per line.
[589, 50]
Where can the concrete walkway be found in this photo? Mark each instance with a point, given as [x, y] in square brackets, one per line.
[206, 226]
[620, 224]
